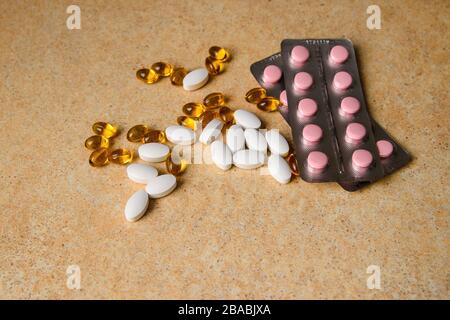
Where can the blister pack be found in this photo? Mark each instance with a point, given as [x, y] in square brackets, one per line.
[269, 74]
[322, 75]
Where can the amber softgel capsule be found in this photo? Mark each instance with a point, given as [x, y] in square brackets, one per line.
[137, 133]
[207, 116]
[96, 142]
[193, 109]
[148, 76]
[269, 104]
[99, 157]
[292, 161]
[214, 100]
[187, 122]
[219, 53]
[162, 69]
[255, 95]
[121, 156]
[155, 136]
[177, 76]
[213, 66]
[176, 167]
[104, 129]
[226, 114]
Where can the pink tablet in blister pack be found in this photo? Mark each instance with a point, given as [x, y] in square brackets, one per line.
[262, 69]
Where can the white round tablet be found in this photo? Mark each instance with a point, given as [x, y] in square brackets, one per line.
[248, 159]
[211, 132]
[279, 169]
[141, 173]
[246, 119]
[153, 152]
[195, 79]
[161, 186]
[255, 140]
[136, 206]
[235, 138]
[180, 135]
[277, 143]
[221, 155]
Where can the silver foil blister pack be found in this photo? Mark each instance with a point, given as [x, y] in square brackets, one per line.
[398, 157]
[328, 83]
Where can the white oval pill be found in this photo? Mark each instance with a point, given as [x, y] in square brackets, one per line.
[211, 132]
[141, 173]
[153, 152]
[255, 140]
[279, 169]
[136, 206]
[248, 159]
[161, 186]
[246, 119]
[221, 155]
[195, 79]
[235, 138]
[277, 143]
[180, 135]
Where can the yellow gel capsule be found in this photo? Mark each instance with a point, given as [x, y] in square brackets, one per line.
[147, 75]
[193, 109]
[187, 122]
[99, 158]
[137, 133]
[162, 69]
[96, 142]
[292, 164]
[255, 95]
[213, 66]
[226, 114]
[177, 76]
[104, 129]
[227, 126]
[214, 100]
[219, 53]
[121, 156]
[155, 136]
[269, 104]
[207, 116]
[176, 167]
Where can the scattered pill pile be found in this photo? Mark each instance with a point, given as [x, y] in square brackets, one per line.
[236, 138]
[244, 147]
[180, 76]
[99, 144]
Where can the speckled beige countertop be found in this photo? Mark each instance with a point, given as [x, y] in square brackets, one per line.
[219, 235]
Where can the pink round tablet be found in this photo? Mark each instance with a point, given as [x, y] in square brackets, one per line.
[361, 159]
[317, 161]
[272, 74]
[306, 107]
[385, 148]
[283, 98]
[299, 54]
[338, 54]
[303, 81]
[342, 80]
[312, 133]
[350, 105]
[355, 132]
